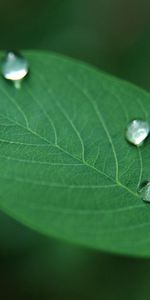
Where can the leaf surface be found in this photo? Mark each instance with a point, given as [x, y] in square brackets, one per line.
[66, 168]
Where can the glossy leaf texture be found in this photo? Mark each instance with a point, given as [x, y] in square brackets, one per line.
[66, 168]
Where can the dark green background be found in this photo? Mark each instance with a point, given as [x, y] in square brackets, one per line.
[114, 35]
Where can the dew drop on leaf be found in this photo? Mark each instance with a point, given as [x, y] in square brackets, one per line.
[144, 191]
[14, 67]
[137, 131]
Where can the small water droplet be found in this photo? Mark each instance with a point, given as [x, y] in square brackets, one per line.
[144, 191]
[14, 67]
[137, 131]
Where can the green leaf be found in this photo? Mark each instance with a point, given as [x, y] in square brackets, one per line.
[66, 168]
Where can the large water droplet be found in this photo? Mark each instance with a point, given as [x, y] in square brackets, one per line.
[137, 131]
[14, 67]
[144, 191]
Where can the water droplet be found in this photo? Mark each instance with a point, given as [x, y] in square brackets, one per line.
[137, 131]
[14, 67]
[144, 191]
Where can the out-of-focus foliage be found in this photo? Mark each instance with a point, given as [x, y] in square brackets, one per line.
[108, 33]
[61, 271]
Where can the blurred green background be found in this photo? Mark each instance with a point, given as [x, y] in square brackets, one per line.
[113, 35]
